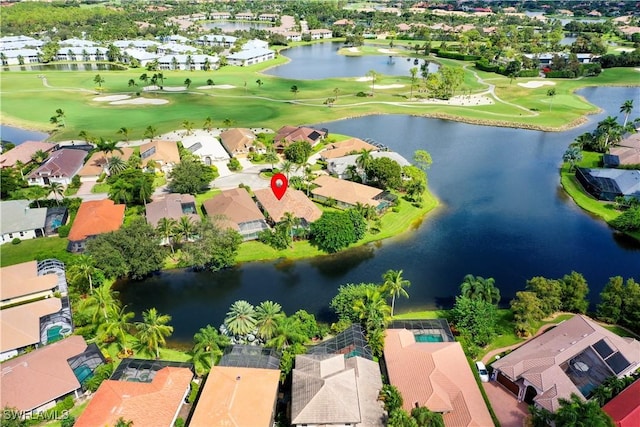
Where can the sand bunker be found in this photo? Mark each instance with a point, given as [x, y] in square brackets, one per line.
[140, 101]
[151, 87]
[386, 51]
[625, 49]
[394, 86]
[463, 101]
[536, 84]
[353, 49]
[364, 79]
[217, 87]
[111, 98]
[174, 88]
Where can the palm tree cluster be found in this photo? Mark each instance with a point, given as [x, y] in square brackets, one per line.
[176, 232]
[608, 132]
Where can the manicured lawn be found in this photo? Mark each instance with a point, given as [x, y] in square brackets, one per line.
[75, 412]
[426, 314]
[200, 198]
[34, 249]
[618, 330]
[101, 187]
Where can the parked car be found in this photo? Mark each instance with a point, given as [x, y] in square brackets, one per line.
[482, 371]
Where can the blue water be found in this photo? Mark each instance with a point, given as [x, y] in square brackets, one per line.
[18, 136]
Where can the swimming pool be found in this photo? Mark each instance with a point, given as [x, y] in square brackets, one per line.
[429, 338]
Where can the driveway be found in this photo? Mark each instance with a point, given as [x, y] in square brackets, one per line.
[249, 176]
[510, 413]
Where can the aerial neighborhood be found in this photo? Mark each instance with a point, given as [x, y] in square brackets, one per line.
[196, 240]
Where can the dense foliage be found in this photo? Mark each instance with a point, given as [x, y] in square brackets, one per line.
[628, 220]
[620, 303]
[191, 176]
[214, 249]
[337, 230]
[384, 173]
[298, 152]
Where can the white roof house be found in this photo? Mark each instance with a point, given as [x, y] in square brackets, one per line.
[216, 40]
[339, 165]
[19, 42]
[250, 57]
[198, 62]
[208, 149]
[78, 43]
[141, 55]
[136, 44]
[168, 48]
[255, 44]
[17, 220]
[12, 57]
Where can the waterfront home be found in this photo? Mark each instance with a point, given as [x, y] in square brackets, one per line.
[344, 148]
[147, 393]
[214, 16]
[607, 184]
[93, 218]
[320, 33]
[60, 167]
[221, 40]
[546, 59]
[22, 283]
[624, 409]
[238, 396]
[626, 152]
[164, 153]
[294, 202]
[339, 166]
[188, 62]
[82, 54]
[271, 17]
[348, 194]
[20, 56]
[98, 163]
[574, 357]
[330, 389]
[238, 141]
[288, 134]
[22, 154]
[244, 16]
[140, 55]
[19, 42]
[435, 375]
[235, 209]
[172, 206]
[18, 220]
[36, 381]
[250, 57]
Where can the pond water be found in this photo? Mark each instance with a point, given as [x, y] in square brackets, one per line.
[231, 26]
[322, 61]
[502, 215]
[79, 66]
[18, 136]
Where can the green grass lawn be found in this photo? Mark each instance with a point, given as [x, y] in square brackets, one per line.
[101, 187]
[34, 249]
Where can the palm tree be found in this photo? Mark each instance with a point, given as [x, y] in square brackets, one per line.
[413, 71]
[39, 156]
[124, 132]
[372, 310]
[295, 90]
[208, 347]
[336, 92]
[36, 193]
[577, 412]
[271, 157]
[188, 126]
[57, 189]
[227, 122]
[150, 132]
[185, 229]
[608, 132]
[551, 93]
[241, 318]
[477, 287]
[187, 82]
[259, 83]
[290, 222]
[166, 228]
[394, 286]
[268, 315]
[121, 191]
[160, 77]
[144, 78]
[573, 155]
[83, 134]
[210, 82]
[121, 422]
[118, 326]
[287, 333]
[363, 161]
[132, 83]
[153, 330]
[208, 124]
[144, 189]
[98, 79]
[83, 267]
[108, 147]
[101, 302]
[373, 76]
[626, 108]
[115, 165]
[286, 167]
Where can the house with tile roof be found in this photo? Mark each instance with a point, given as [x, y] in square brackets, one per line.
[627, 152]
[344, 148]
[237, 396]
[94, 217]
[238, 141]
[288, 134]
[155, 401]
[18, 220]
[22, 153]
[294, 201]
[173, 206]
[330, 389]
[98, 163]
[21, 283]
[624, 409]
[60, 167]
[347, 194]
[574, 357]
[236, 209]
[164, 153]
[36, 381]
[435, 375]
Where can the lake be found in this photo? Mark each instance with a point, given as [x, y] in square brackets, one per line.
[503, 215]
[327, 63]
[18, 136]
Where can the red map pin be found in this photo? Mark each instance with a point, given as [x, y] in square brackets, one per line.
[279, 184]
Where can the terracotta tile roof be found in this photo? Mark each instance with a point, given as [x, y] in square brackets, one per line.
[153, 404]
[288, 134]
[237, 140]
[329, 389]
[235, 205]
[22, 279]
[20, 325]
[165, 152]
[96, 217]
[340, 149]
[23, 152]
[538, 360]
[239, 397]
[435, 375]
[36, 378]
[624, 409]
[65, 162]
[170, 206]
[96, 163]
[293, 201]
[345, 191]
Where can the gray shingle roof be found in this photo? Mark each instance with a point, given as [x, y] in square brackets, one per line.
[15, 216]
